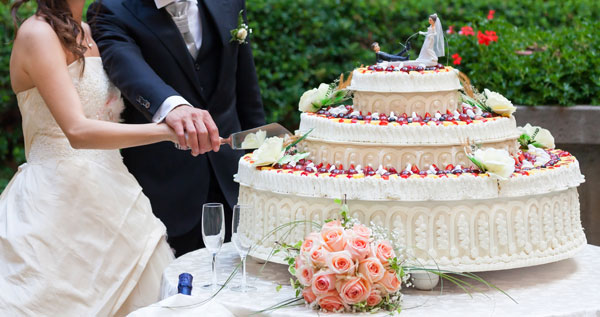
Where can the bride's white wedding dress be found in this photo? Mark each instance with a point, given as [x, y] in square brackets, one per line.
[77, 235]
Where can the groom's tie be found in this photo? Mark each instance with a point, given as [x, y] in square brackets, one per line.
[179, 11]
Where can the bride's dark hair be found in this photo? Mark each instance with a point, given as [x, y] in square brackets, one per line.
[58, 14]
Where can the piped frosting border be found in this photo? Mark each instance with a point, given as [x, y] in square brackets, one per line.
[564, 175]
[342, 130]
[414, 81]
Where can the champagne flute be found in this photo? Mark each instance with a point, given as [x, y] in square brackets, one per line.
[213, 234]
[242, 242]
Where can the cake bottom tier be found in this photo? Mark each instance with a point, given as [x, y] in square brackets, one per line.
[463, 236]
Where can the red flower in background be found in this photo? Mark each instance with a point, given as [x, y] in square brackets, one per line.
[491, 14]
[487, 37]
[450, 29]
[483, 39]
[456, 59]
[466, 31]
[492, 36]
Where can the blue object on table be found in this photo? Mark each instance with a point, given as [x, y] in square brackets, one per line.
[185, 284]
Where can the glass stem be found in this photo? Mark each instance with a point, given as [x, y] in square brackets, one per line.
[244, 274]
[214, 271]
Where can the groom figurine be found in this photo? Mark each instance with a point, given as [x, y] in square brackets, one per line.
[175, 61]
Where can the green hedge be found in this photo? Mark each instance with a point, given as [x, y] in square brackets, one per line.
[299, 44]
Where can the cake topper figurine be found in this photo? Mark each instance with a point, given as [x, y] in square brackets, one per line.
[386, 57]
[433, 47]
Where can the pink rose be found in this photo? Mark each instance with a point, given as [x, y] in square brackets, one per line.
[310, 242]
[374, 298]
[384, 251]
[318, 255]
[323, 282]
[308, 295]
[340, 262]
[362, 231]
[333, 239]
[358, 246]
[299, 262]
[305, 274]
[355, 290]
[331, 225]
[371, 269]
[331, 302]
[390, 282]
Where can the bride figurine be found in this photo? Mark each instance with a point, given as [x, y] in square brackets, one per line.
[433, 47]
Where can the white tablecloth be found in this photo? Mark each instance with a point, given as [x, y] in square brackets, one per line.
[566, 288]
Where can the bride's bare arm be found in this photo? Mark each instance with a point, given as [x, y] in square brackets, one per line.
[45, 63]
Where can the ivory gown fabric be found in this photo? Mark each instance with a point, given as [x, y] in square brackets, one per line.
[77, 235]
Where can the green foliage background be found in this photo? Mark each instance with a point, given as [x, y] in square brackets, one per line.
[299, 44]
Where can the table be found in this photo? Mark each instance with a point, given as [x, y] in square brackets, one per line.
[566, 288]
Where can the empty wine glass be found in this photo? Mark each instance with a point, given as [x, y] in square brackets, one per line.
[213, 234]
[242, 242]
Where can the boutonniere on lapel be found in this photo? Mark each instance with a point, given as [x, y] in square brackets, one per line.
[240, 33]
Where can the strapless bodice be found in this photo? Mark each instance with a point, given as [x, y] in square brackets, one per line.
[44, 140]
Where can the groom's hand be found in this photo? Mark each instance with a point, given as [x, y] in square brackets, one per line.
[199, 127]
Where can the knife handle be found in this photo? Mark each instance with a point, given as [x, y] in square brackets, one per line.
[225, 140]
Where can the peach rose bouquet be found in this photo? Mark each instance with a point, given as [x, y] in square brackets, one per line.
[344, 268]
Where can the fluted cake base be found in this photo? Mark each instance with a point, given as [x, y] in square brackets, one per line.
[465, 236]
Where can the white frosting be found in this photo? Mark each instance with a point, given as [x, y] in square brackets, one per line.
[414, 188]
[410, 134]
[405, 82]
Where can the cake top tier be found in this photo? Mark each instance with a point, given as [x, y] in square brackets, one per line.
[404, 79]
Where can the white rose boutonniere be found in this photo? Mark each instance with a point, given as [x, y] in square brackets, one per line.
[497, 163]
[498, 103]
[535, 136]
[240, 33]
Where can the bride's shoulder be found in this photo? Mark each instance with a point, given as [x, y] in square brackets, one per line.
[35, 32]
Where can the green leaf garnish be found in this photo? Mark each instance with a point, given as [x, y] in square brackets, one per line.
[299, 140]
[477, 163]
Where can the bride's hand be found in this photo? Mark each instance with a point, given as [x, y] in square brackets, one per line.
[169, 133]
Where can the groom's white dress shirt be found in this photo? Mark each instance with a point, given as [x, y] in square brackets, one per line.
[196, 29]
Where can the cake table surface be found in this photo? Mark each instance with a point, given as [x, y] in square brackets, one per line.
[565, 288]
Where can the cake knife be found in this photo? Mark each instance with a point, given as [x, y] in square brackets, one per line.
[272, 129]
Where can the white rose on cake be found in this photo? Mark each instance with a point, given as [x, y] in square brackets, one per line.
[311, 100]
[254, 140]
[269, 152]
[498, 163]
[499, 104]
[539, 135]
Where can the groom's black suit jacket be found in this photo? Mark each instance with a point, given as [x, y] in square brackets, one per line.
[145, 56]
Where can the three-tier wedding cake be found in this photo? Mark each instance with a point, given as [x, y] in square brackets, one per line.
[412, 157]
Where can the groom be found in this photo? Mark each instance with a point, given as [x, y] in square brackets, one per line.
[174, 61]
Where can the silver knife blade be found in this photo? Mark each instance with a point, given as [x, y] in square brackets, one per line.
[273, 129]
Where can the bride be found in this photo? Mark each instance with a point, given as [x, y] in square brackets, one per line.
[433, 46]
[77, 235]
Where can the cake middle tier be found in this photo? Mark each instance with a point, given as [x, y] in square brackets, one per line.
[374, 154]
[339, 141]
